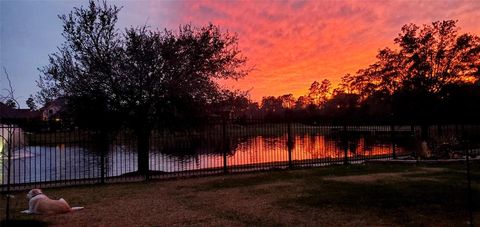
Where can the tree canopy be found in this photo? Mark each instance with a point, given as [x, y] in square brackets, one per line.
[428, 59]
[139, 74]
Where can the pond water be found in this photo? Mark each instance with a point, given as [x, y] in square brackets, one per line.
[75, 161]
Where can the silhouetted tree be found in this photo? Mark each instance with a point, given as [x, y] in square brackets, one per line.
[435, 55]
[303, 102]
[288, 101]
[272, 106]
[31, 103]
[253, 110]
[324, 91]
[314, 92]
[236, 103]
[11, 103]
[320, 92]
[139, 77]
[86, 68]
[342, 106]
[429, 58]
[410, 79]
[347, 85]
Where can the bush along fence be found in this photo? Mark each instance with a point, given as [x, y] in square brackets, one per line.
[59, 157]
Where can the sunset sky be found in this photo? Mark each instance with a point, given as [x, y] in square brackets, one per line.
[290, 43]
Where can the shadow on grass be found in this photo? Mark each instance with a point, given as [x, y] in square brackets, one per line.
[453, 172]
[308, 174]
[406, 202]
[389, 195]
[21, 223]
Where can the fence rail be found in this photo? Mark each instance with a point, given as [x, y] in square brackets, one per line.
[49, 158]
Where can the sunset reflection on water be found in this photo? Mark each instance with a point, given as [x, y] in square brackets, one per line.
[308, 147]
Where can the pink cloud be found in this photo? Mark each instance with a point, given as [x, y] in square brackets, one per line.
[293, 43]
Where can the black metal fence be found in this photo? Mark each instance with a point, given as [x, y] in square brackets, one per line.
[59, 157]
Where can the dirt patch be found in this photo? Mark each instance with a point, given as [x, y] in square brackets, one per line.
[367, 178]
[432, 169]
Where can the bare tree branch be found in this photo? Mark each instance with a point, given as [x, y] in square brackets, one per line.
[11, 92]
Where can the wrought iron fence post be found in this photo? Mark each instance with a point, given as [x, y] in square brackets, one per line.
[345, 145]
[102, 166]
[104, 146]
[424, 132]
[225, 145]
[9, 165]
[424, 135]
[392, 132]
[469, 189]
[289, 144]
[469, 183]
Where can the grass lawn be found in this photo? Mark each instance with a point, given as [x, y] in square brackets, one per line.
[355, 195]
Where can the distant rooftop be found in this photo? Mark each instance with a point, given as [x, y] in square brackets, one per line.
[7, 112]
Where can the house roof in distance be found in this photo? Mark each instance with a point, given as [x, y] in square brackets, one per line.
[7, 112]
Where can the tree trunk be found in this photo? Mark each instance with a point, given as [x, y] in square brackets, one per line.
[143, 145]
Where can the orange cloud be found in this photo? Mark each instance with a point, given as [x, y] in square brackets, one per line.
[293, 43]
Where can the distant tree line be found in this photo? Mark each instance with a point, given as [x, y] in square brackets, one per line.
[434, 76]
